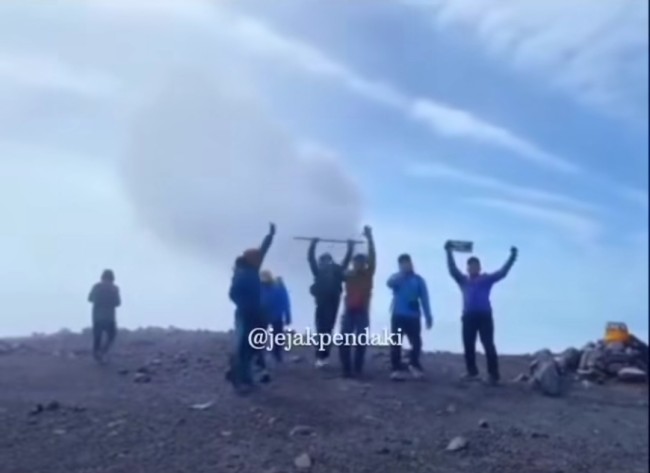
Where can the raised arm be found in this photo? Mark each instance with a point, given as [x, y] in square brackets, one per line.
[454, 272]
[345, 263]
[372, 254]
[505, 269]
[266, 243]
[424, 298]
[311, 257]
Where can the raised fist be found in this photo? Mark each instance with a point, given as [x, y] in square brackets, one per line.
[448, 245]
[367, 231]
[514, 251]
[272, 228]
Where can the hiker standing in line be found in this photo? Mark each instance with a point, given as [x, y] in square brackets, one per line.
[276, 307]
[356, 317]
[245, 292]
[410, 301]
[326, 289]
[477, 310]
[105, 299]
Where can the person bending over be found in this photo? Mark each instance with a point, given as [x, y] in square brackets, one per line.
[356, 317]
[105, 299]
[477, 316]
[410, 302]
[326, 289]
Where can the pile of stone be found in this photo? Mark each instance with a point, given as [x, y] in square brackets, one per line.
[627, 362]
[596, 362]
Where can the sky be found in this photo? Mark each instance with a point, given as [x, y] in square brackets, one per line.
[160, 138]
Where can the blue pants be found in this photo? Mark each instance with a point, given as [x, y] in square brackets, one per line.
[353, 322]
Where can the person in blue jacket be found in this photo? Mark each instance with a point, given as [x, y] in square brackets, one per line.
[477, 310]
[246, 292]
[276, 307]
[410, 302]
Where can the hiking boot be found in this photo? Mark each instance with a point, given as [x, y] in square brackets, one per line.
[416, 372]
[397, 376]
[265, 377]
[244, 389]
[470, 377]
[493, 381]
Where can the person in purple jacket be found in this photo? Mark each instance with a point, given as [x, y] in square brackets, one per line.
[477, 310]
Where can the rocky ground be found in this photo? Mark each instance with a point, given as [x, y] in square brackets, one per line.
[161, 405]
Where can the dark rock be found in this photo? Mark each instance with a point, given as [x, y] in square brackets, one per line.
[301, 430]
[141, 378]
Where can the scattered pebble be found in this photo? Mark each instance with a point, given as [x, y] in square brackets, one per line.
[457, 443]
[141, 378]
[483, 424]
[301, 430]
[303, 461]
[451, 409]
[202, 406]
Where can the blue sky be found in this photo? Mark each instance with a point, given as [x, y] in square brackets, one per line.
[503, 123]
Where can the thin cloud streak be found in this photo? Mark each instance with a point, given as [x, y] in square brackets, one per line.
[258, 38]
[584, 229]
[449, 173]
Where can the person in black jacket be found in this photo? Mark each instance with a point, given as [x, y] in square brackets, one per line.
[327, 289]
[105, 298]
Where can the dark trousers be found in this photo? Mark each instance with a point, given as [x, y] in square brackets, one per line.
[278, 327]
[354, 322]
[412, 329]
[103, 325]
[326, 312]
[244, 354]
[481, 324]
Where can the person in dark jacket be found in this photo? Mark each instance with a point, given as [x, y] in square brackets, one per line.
[105, 299]
[410, 302]
[477, 310]
[326, 289]
[245, 292]
[276, 307]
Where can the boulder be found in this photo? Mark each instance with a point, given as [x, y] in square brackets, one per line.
[569, 359]
[548, 378]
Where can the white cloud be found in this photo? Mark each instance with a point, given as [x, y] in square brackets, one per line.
[208, 168]
[257, 38]
[49, 73]
[426, 170]
[584, 229]
[594, 50]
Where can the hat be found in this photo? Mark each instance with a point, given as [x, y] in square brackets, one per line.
[325, 258]
[252, 256]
